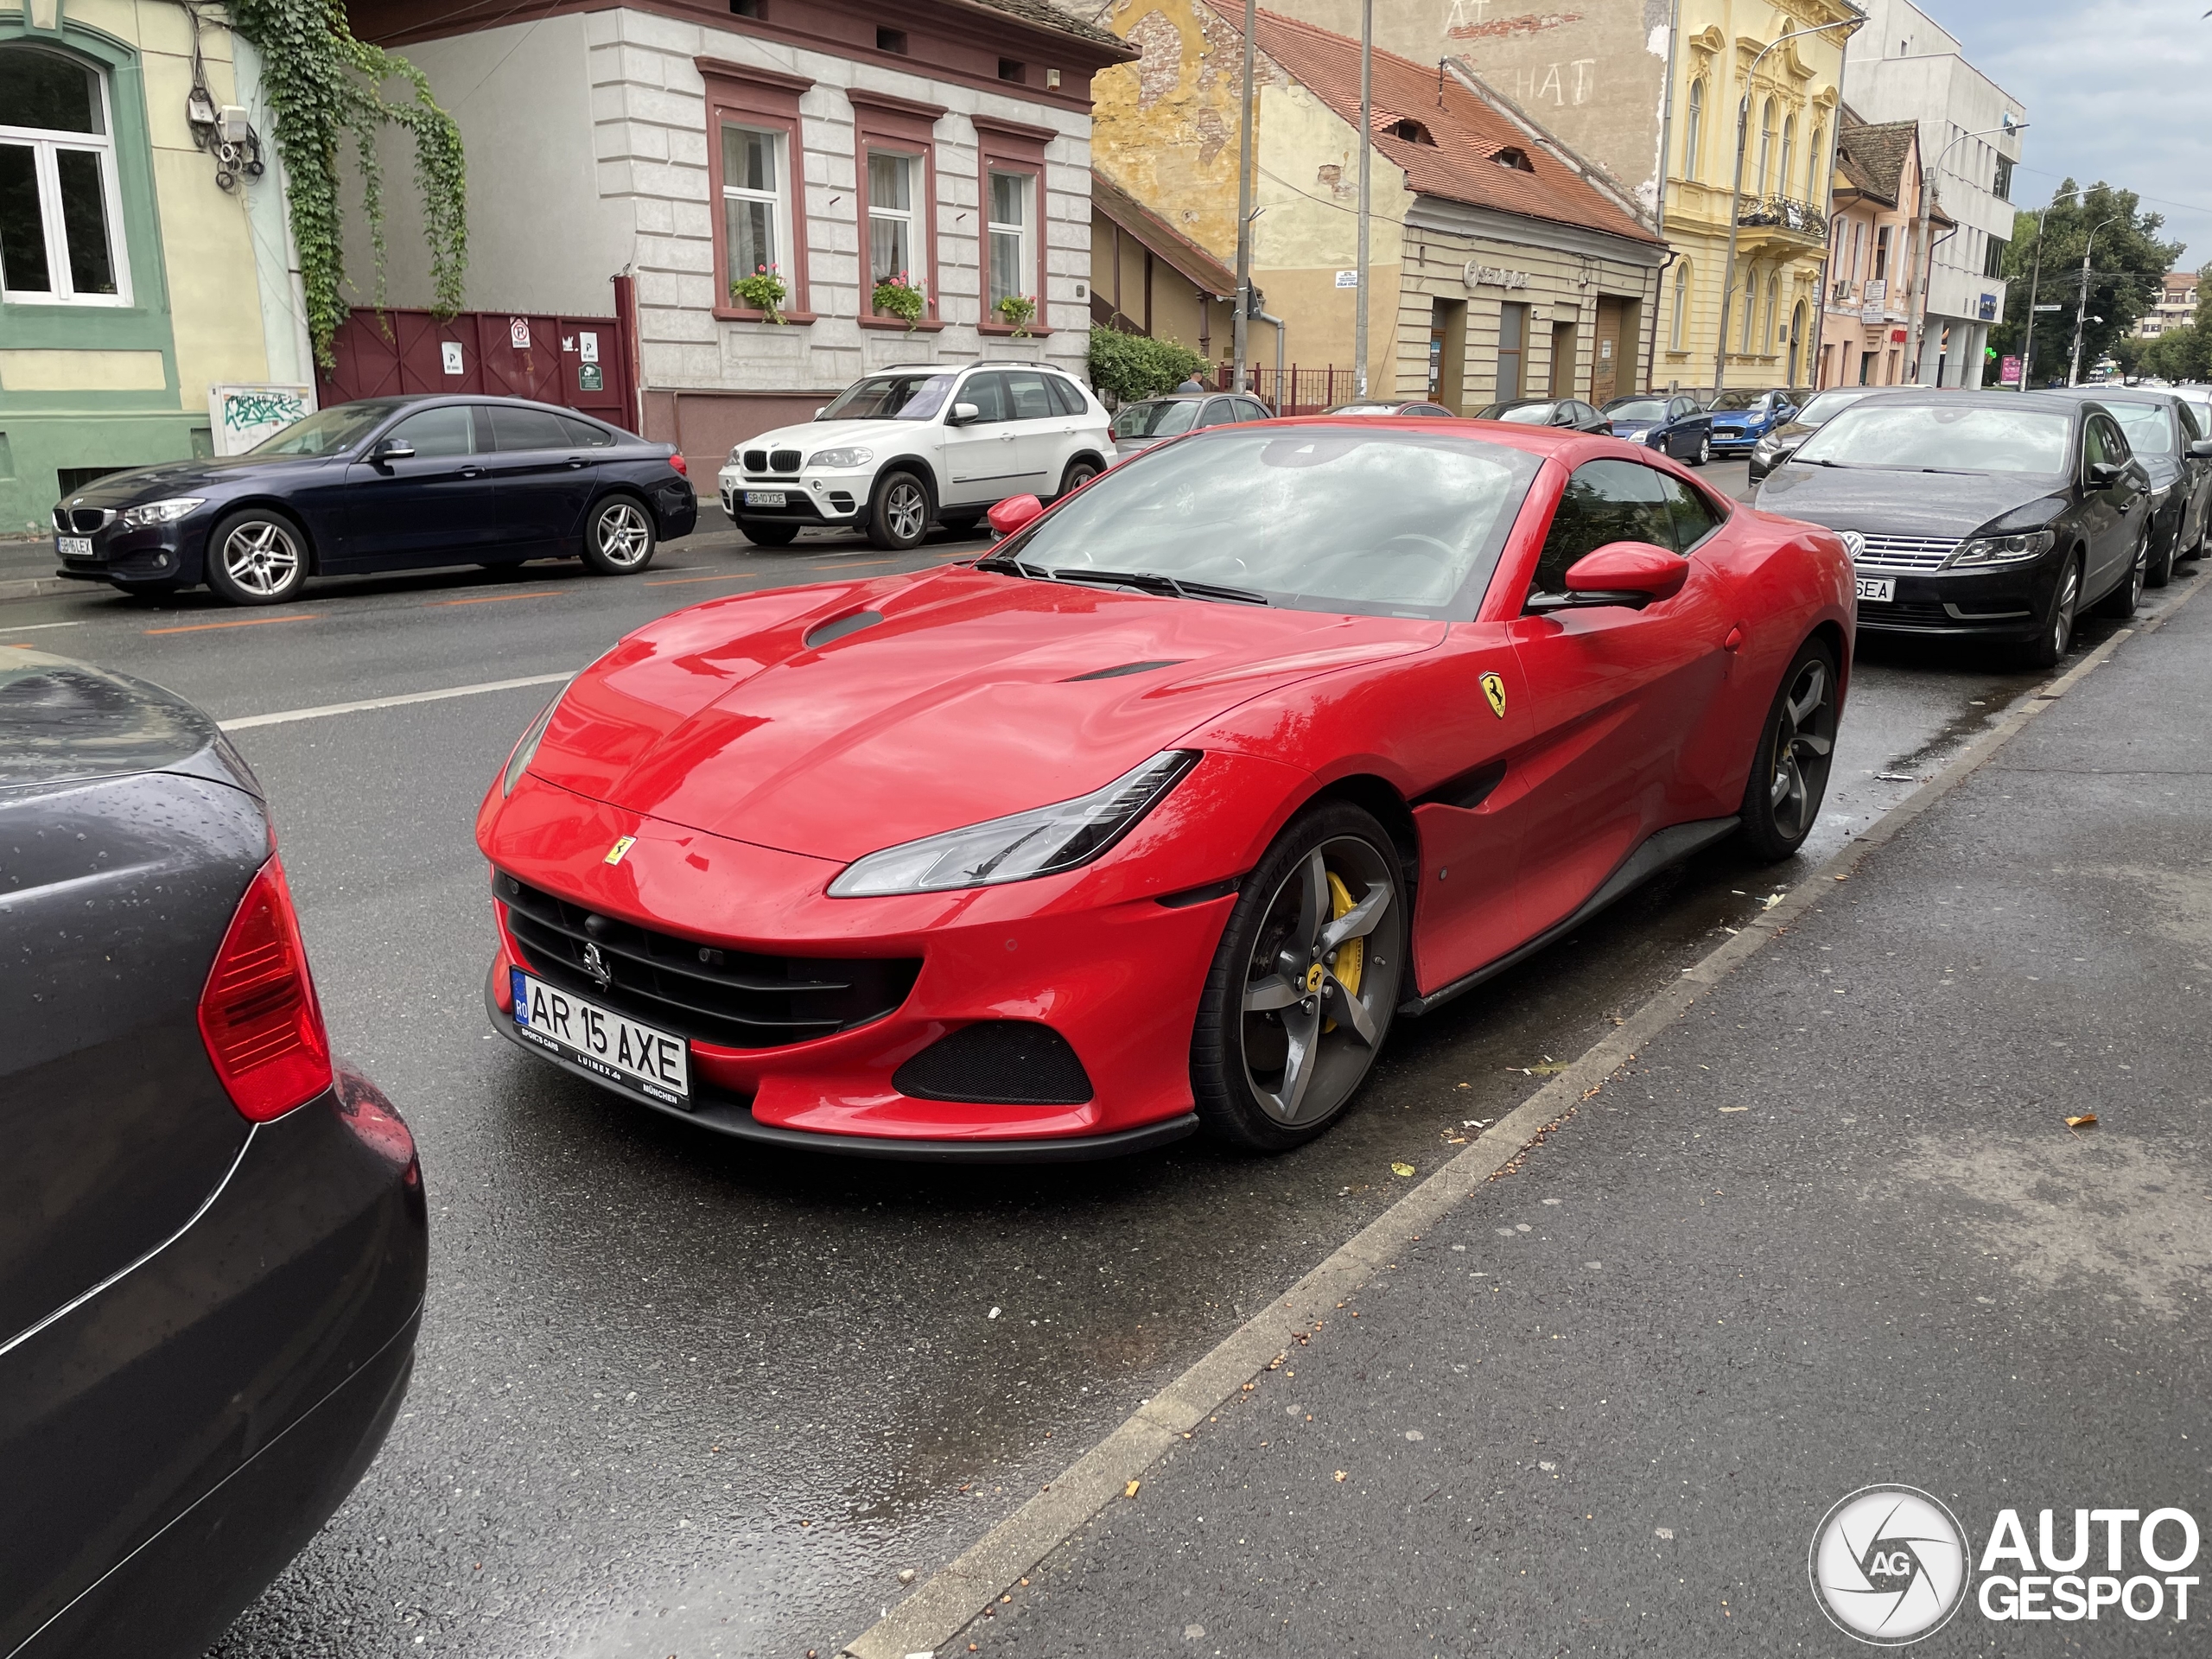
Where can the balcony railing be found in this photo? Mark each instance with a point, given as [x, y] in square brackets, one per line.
[1781, 212]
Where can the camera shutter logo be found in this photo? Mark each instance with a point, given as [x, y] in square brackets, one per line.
[1889, 1565]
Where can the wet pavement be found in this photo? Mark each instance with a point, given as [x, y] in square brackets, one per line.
[677, 1395]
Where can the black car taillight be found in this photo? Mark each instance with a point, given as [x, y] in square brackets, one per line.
[258, 1014]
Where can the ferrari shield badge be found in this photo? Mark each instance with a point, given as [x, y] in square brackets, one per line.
[1493, 687]
[624, 843]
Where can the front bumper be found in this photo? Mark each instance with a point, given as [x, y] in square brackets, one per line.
[156, 555]
[1725, 442]
[809, 498]
[1999, 604]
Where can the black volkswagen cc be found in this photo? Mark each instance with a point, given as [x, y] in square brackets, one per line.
[2163, 431]
[213, 1240]
[1990, 515]
[382, 484]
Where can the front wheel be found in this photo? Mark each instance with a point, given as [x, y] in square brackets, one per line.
[256, 557]
[1304, 984]
[618, 538]
[2048, 646]
[1789, 768]
[899, 512]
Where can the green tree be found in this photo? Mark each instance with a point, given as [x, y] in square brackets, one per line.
[2126, 262]
[1130, 366]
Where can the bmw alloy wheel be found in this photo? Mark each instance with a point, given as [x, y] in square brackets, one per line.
[907, 509]
[261, 558]
[623, 537]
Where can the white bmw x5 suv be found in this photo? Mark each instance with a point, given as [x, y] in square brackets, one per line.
[907, 446]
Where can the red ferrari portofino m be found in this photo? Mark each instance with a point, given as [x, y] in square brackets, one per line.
[1158, 816]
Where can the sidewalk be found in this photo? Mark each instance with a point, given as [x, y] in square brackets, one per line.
[27, 567]
[1829, 1228]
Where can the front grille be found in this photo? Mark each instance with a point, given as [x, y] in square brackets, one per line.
[1913, 613]
[784, 460]
[82, 521]
[1906, 553]
[756, 460]
[761, 461]
[733, 999]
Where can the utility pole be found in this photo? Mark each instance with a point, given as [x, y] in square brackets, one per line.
[1366, 151]
[1244, 201]
[1924, 257]
[2082, 304]
[2034, 276]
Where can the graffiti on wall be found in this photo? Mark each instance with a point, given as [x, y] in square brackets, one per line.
[240, 416]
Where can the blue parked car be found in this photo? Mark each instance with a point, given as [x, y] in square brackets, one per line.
[1674, 426]
[1741, 418]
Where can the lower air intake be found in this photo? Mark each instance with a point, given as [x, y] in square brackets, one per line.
[997, 1063]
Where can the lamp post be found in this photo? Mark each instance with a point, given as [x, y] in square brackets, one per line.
[1736, 194]
[1243, 204]
[2081, 305]
[2035, 277]
[1923, 257]
[1366, 155]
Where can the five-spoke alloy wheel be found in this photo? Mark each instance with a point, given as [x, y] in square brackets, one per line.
[256, 557]
[1789, 772]
[618, 536]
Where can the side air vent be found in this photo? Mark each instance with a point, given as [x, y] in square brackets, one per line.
[1469, 790]
[1115, 673]
[997, 1063]
[840, 626]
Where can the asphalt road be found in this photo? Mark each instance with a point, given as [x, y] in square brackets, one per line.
[677, 1395]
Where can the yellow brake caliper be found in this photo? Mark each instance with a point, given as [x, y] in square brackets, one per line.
[1352, 955]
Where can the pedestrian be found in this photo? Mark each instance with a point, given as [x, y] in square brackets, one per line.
[1192, 382]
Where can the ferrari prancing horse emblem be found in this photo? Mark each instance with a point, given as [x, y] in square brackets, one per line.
[624, 843]
[1494, 689]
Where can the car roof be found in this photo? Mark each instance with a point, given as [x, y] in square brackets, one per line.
[1983, 398]
[436, 399]
[1180, 397]
[2116, 394]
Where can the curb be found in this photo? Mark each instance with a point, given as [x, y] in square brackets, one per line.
[35, 586]
[955, 1596]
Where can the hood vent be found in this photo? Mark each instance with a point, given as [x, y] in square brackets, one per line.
[1115, 673]
[840, 628]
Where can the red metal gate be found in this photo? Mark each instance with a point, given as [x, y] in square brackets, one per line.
[581, 363]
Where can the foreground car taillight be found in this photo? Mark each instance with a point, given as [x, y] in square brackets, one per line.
[258, 1014]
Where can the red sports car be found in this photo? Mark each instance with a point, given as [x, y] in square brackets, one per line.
[1159, 815]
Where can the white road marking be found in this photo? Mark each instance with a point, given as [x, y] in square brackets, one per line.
[286, 716]
[33, 627]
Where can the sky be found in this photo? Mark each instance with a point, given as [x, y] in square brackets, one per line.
[2117, 90]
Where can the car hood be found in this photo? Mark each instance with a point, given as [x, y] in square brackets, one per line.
[67, 722]
[141, 483]
[1630, 428]
[810, 436]
[971, 697]
[1881, 501]
[1792, 432]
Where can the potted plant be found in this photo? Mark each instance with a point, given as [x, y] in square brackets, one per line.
[1020, 311]
[897, 297]
[763, 290]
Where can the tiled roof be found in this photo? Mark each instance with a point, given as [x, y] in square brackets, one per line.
[1167, 243]
[1871, 156]
[1469, 130]
[1044, 14]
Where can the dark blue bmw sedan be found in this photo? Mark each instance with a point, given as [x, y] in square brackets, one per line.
[382, 484]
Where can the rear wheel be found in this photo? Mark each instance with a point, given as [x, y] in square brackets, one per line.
[2160, 570]
[1079, 473]
[618, 538]
[1303, 984]
[762, 535]
[256, 557]
[1789, 768]
[1704, 449]
[2049, 645]
[2123, 599]
[899, 512]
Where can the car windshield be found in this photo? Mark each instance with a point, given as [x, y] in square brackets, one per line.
[1362, 408]
[1526, 414]
[2148, 427]
[1163, 418]
[1823, 408]
[326, 432]
[1636, 408]
[1348, 518]
[892, 398]
[1941, 437]
[1739, 400]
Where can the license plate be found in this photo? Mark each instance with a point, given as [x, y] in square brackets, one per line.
[764, 498]
[1881, 589]
[74, 547]
[599, 1040]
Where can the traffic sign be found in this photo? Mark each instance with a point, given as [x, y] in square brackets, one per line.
[2045, 307]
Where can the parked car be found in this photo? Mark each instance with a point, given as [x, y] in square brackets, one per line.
[2164, 434]
[1370, 406]
[1547, 412]
[1822, 406]
[1985, 515]
[799, 893]
[1139, 425]
[1741, 418]
[928, 442]
[1676, 425]
[382, 484]
[213, 1240]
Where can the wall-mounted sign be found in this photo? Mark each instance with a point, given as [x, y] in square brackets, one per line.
[449, 350]
[587, 346]
[1877, 291]
[590, 378]
[1870, 313]
[1347, 279]
[1480, 276]
[1988, 307]
[241, 416]
[518, 333]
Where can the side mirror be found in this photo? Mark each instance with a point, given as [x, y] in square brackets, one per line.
[1620, 573]
[1013, 513]
[2103, 475]
[2200, 450]
[395, 450]
[820, 412]
[963, 415]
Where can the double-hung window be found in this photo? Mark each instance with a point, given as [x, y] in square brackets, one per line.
[756, 203]
[894, 224]
[61, 238]
[1012, 226]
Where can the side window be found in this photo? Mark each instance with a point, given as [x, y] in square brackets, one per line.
[1065, 395]
[1585, 416]
[1032, 400]
[1605, 501]
[1253, 410]
[2191, 431]
[446, 431]
[1693, 515]
[2115, 441]
[2093, 444]
[988, 393]
[1684, 407]
[1219, 411]
[2105, 443]
[586, 434]
[515, 427]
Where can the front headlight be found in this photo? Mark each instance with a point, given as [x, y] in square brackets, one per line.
[840, 458]
[160, 513]
[1044, 841]
[2003, 550]
[526, 750]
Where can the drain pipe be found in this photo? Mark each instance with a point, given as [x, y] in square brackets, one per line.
[1279, 327]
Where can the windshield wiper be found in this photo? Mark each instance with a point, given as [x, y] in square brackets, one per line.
[1013, 567]
[1153, 581]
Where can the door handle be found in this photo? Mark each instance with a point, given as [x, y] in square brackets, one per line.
[472, 472]
[575, 461]
[1006, 437]
[1735, 640]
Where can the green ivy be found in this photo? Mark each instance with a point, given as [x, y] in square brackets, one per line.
[325, 86]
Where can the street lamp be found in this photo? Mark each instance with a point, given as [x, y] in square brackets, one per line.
[1924, 256]
[2035, 277]
[1735, 195]
[2081, 305]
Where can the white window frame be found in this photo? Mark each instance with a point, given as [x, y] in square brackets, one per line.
[1679, 330]
[914, 216]
[45, 143]
[778, 197]
[1024, 234]
[1694, 127]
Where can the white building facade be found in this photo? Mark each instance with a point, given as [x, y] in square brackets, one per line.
[1905, 67]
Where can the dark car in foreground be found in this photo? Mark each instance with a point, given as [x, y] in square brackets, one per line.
[1781, 442]
[1741, 417]
[2164, 431]
[1569, 412]
[212, 1240]
[1676, 426]
[1138, 426]
[382, 484]
[1988, 515]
